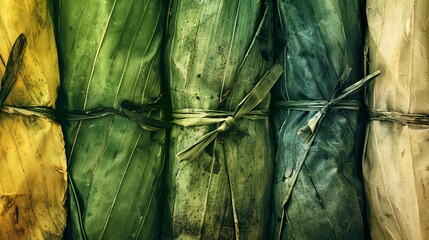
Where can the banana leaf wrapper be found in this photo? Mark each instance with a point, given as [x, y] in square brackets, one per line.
[216, 53]
[33, 177]
[110, 53]
[323, 197]
[396, 157]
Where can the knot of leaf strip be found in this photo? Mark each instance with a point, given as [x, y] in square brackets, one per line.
[326, 107]
[9, 78]
[196, 117]
[229, 121]
[244, 109]
[336, 101]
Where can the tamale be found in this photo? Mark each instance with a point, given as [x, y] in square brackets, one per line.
[318, 193]
[220, 164]
[110, 62]
[396, 157]
[33, 177]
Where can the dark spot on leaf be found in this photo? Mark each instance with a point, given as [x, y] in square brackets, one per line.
[16, 218]
[216, 166]
[265, 55]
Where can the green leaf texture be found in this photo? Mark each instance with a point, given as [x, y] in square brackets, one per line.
[317, 41]
[217, 50]
[110, 52]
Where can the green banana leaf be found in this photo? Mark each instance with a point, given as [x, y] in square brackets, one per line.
[317, 186]
[219, 188]
[110, 59]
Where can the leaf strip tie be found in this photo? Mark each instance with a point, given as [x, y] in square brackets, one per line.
[190, 117]
[317, 105]
[138, 113]
[10, 76]
[256, 95]
[398, 117]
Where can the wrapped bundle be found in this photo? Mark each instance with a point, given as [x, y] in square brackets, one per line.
[110, 54]
[33, 178]
[317, 190]
[396, 157]
[220, 162]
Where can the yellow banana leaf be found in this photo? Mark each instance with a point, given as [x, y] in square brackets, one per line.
[33, 177]
[396, 159]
